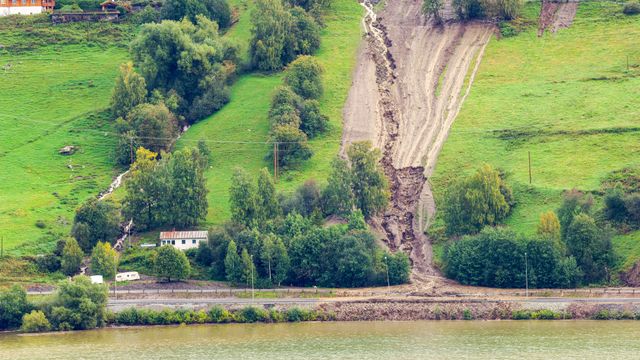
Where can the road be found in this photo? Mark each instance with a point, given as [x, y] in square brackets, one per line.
[200, 303]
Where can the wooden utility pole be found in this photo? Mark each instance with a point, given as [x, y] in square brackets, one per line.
[1, 247]
[131, 148]
[275, 161]
[529, 167]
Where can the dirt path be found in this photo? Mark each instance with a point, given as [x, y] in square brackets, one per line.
[409, 85]
[556, 14]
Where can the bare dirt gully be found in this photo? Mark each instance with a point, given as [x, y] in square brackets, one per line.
[556, 14]
[411, 79]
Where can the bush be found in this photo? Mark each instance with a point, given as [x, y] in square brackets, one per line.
[35, 321]
[251, 314]
[48, 263]
[631, 8]
[218, 314]
[545, 315]
[304, 76]
[521, 315]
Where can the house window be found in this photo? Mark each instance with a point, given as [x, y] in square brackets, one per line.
[193, 241]
[33, 2]
[173, 242]
[14, 2]
[184, 242]
[24, 2]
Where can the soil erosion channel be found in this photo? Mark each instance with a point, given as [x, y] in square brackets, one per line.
[556, 14]
[411, 79]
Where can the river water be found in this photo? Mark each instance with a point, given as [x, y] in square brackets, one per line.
[341, 340]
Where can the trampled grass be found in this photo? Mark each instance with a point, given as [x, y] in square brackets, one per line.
[568, 98]
[238, 133]
[50, 97]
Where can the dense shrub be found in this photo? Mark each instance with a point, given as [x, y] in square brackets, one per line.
[48, 263]
[250, 315]
[631, 8]
[77, 305]
[218, 314]
[13, 305]
[35, 321]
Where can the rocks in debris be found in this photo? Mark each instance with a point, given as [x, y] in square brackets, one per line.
[68, 150]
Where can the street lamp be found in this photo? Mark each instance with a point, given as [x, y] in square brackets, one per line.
[387, 268]
[526, 275]
[252, 289]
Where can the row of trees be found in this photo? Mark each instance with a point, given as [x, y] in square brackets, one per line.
[474, 9]
[76, 305]
[295, 112]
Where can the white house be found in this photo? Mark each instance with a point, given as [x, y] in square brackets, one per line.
[183, 240]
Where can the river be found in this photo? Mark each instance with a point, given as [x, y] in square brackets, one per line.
[341, 340]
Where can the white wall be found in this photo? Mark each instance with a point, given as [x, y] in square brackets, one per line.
[20, 10]
[188, 243]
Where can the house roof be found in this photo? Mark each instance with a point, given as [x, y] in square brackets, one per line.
[183, 235]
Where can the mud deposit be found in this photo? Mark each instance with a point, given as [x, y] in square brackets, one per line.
[555, 15]
[410, 82]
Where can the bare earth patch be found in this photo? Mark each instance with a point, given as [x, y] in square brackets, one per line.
[555, 15]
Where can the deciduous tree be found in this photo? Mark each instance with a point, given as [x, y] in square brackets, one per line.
[368, 181]
[170, 263]
[130, 90]
[104, 260]
[96, 220]
[71, 257]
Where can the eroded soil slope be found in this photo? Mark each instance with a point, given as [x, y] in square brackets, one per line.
[556, 14]
[411, 79]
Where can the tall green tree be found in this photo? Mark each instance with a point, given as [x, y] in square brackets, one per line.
[281, 262]
[216, 10]
[186, 201]
[145, 190]
[369, 183]
[233, 264]
[271, 22]
[479, 200]
[186, 59]
[104, 260]
[267, 199]
[248, 268]
[574, 203]
[591, 247]
[302, 36]
[130, 90]
[72, 256]
[243, 199]
[13, 305]
[154, 127]
[433, 9]
[337, 196]
[170, 263]
[96, 221]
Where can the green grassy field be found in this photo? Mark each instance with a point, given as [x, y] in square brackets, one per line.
[237, 133]
[568, 98]
[52, 96]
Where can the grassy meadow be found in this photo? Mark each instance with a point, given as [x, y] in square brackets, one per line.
[569, 98]
[237, 134]
[52, 94]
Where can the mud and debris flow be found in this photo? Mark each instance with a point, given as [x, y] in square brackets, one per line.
[556, 14]
[409, 84]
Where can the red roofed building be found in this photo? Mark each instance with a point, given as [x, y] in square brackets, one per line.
[25, 7]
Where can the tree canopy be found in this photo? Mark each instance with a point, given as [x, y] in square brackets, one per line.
[170, 263]
[96, 220]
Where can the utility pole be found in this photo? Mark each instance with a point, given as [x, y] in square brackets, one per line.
[131, 148]
[529, 167]
[115, 281]
[526, 275]
[1, 247]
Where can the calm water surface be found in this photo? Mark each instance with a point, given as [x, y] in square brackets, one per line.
[340, 340]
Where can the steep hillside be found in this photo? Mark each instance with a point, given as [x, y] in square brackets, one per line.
[53, 84]
[237, 134]
[569, 98]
